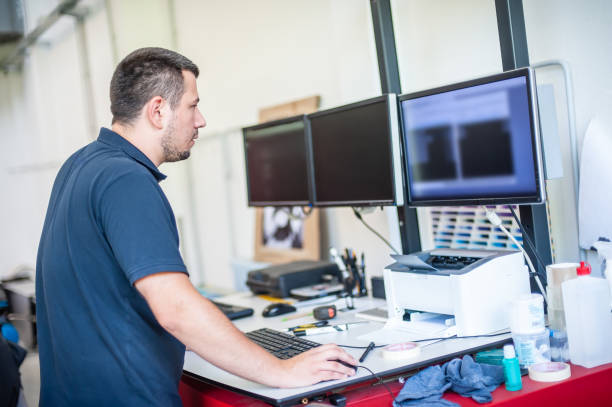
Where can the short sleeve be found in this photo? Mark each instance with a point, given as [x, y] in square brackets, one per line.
[140, 227]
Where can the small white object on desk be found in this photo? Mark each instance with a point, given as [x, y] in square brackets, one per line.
[549, 371]
[401, 351]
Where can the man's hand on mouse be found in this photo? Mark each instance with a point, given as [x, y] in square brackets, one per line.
[317, 364]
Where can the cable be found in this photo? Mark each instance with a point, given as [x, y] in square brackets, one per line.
[462, 337]
[527, 238]
[360, 347]
[380, 380]
[435, 339]
[358, 215]
[496, 221]
[289, 211]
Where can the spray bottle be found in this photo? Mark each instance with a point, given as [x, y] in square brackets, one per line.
[604, 249]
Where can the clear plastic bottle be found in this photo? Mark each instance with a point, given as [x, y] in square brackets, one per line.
[586, 301]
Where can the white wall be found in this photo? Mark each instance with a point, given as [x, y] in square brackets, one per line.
[251, 55]
[445, 41]
[41, 123]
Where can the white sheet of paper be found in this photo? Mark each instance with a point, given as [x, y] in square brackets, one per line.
[396, 331]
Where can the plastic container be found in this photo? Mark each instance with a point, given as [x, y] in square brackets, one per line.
[490, 357]
[586, 301]
[556, 274]
[559, 349]
[512, 370]
[532, 348]
[527, 315]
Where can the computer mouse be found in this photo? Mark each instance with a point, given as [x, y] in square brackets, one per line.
[342, 362]
[278, 308]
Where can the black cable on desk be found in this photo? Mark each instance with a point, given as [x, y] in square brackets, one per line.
[461, 337]
[360, 347]
[380, 380]
[433, 339]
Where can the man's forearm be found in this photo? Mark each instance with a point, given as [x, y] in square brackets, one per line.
[207, 332]
[199, 324]
[196, 322]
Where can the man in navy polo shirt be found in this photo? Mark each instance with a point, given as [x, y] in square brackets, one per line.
[115, 307]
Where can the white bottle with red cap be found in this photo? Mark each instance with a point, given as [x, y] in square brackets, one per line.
[586, 301]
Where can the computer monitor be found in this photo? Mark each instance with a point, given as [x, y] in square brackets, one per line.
[356, 154]
[277, 162]
[474, 143]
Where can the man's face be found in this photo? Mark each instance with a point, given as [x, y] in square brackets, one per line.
[182, 129]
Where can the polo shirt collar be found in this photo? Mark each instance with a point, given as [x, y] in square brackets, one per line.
[111, 138]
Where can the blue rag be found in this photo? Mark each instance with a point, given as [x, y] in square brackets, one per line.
[471, 379]
[463, 376]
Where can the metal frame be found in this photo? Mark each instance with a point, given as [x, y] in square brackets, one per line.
[15, 57]
[390, 83]
[515, 54]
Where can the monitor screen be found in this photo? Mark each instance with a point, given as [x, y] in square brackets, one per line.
[277, 169]
[475, 142]
[356, 154]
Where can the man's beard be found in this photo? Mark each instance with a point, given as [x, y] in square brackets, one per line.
[171, 153]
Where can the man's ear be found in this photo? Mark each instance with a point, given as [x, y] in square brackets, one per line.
[154, 110]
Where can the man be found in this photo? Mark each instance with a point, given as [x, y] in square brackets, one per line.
[115, 306]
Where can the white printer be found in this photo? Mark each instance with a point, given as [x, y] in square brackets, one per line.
[475, 287]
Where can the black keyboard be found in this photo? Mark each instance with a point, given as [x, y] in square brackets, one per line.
[233, 311]
[280, 344]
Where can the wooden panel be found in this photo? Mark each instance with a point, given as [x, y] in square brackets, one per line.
[300, 106]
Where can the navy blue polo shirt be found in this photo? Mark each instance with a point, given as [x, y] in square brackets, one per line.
[108, 224]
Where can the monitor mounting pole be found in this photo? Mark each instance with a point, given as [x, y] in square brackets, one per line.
[514, 53]
[390, 83]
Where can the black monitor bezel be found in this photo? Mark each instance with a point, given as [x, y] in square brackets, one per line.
[386, 98]
[309, 173]
[537, 198]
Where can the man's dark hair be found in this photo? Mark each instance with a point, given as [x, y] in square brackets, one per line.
[144, 74]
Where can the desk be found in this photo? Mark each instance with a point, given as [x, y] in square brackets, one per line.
[199, 369]
[22, 304]
[586, 387]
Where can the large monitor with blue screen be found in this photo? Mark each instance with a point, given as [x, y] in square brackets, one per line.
[475, 142]
[277, 158]
[356, 154]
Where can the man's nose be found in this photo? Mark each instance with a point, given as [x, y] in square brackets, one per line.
[200, 120]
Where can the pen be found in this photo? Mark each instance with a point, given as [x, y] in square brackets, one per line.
[311, 325]
[316, 331]
[296, 316]
[362, 283]
[326, 329]
[365, 354]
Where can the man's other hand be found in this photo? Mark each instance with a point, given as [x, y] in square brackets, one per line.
[316, 365]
